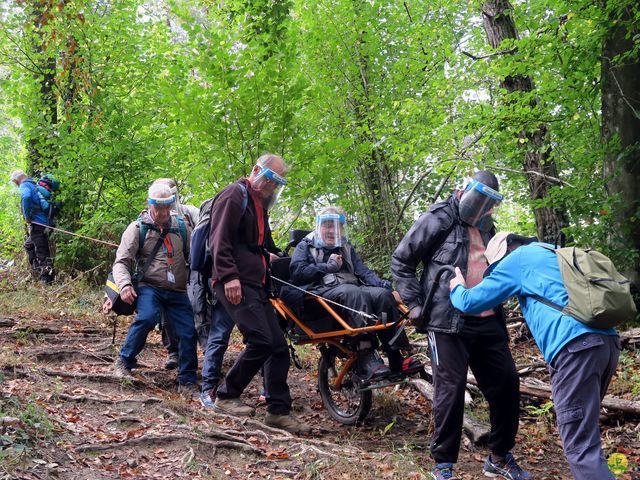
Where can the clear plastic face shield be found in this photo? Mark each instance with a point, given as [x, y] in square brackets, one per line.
[477, 202]
[330, 230]
[269, 185]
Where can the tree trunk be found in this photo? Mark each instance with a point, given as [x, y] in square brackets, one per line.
[621, 122]
[499, 26]
[37, 159]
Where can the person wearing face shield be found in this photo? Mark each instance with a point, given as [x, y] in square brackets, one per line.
[455, 232]
[241, 247]
[163, 288]
[327, 264]
[195, 288]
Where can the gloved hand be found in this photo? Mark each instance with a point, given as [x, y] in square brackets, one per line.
[415, 313]
[416, 318]
[334, 263]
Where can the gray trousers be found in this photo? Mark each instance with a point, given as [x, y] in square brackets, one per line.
[580, 376]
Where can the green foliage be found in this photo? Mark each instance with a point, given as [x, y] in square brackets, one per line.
[381, 107]
[29, 425]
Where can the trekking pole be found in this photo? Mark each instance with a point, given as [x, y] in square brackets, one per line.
[109, 244]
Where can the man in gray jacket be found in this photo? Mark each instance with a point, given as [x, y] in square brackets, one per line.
[163, 285]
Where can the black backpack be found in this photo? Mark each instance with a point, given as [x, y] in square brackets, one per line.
[200, 254]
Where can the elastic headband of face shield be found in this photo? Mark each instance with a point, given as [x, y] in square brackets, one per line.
[486, 190]
[270, 175]
[162, 201]
[331, 216]
[477, 200]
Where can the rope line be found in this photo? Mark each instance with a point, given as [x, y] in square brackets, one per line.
[110, 244]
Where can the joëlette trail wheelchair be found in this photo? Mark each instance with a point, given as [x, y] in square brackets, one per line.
[346, 396]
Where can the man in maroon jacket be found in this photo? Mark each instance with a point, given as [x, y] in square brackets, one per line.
[240, 243]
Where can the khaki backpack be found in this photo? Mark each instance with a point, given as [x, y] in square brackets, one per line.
[598, 295]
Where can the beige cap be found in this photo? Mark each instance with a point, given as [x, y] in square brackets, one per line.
[497, 247]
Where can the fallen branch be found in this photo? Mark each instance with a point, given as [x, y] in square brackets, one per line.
[630, 336]
[477, 431]
[542, 390]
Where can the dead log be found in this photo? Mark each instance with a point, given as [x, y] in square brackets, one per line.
[630, 337]
[542, 390]
[478, 432]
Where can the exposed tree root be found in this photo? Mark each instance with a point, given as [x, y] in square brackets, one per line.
[119, 401]
[153, 439]
[63, 353]
[101, 377]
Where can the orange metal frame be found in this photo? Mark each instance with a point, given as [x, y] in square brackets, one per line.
[333, 337]
[288, 314]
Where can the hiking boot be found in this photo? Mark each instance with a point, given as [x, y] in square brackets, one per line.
[286, 422]
[371, 366]
[120, 369]
[233, 406]
[442, 471]
[189, 391]
[172, 362]
[509, 469]
[207, 398]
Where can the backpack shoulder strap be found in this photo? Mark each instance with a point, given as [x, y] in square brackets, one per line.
[182, 226]
[548, 303]
[143, 229]
[245, 197]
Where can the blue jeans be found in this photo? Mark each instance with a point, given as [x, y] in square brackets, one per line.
[177, 307]
[220, 328]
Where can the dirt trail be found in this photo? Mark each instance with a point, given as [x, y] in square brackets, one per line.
[64, 415]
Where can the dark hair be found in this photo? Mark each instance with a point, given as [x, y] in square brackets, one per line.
[488, 178]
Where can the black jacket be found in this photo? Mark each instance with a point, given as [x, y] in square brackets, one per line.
[306, 273]
[436, 239]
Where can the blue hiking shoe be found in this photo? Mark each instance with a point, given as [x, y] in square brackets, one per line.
[442, 471]
[509, 470]
[206, 400]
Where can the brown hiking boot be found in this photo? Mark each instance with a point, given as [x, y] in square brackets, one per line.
[121, 370]
[233, 406]
[286, 422]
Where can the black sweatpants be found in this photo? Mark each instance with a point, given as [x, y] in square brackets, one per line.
[491, 362]
[265, 345]
[39, 253]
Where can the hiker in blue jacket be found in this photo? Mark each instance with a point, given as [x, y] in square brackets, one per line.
[581, 359]
[37, 243]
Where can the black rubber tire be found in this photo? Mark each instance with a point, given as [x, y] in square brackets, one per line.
[347, 405]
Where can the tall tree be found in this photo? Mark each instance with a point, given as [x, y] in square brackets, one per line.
[621, 120]
[499, 26]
